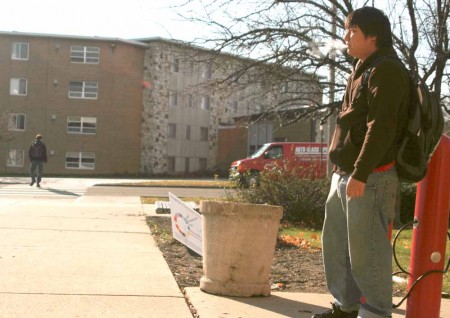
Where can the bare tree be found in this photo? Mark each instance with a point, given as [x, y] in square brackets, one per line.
[292, 44]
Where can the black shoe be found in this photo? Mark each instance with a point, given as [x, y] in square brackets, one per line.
[32, 182]
[38, 185]
[336, 312]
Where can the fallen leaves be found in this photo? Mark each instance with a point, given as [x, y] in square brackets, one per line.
[297, 240]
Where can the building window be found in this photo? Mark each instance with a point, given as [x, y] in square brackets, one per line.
[81, 125]
[233, 107]
[175, 65]
[19, 51]
[15, 158]
[80, 160]
[172, 131]
[187, 168]
[203, 133]
[202, 164]
[18, 86]
[188, 132]
[16, 122]
[173, 98]
[189, 100]
[170, 164]
[84, 54]
[205, 103]
[83, 90]
[207, 72]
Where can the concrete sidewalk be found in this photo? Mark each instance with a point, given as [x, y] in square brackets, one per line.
[278, 305]
[78, 258]
[95, 257]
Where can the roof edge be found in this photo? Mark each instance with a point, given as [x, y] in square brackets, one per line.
[63, 36]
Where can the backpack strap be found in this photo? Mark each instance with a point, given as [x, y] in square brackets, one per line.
[366, 73]
[364, 83]
[365, 77]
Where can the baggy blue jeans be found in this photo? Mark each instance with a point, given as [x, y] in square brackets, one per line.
[36, 164]
[356, 250]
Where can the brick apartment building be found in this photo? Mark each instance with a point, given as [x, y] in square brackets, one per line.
[84, 95]
[109, 106]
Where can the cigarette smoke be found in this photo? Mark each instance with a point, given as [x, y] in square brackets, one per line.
[329, 46]
[334, 45]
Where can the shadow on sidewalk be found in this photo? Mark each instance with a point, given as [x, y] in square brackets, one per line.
[62, 192]
[283, 305]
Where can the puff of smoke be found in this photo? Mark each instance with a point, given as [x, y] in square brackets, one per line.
[324, 48]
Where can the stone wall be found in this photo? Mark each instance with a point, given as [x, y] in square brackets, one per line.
[155, 116]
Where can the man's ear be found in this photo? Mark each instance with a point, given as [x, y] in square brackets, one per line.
[373, 39]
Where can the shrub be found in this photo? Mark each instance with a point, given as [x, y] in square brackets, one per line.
[407, 201]
[303, 199]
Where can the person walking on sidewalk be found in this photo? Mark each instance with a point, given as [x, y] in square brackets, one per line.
[357, 253]
[38, 155]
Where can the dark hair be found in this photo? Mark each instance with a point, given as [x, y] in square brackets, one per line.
[372, 22]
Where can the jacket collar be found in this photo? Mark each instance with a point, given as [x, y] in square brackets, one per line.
[359, 67]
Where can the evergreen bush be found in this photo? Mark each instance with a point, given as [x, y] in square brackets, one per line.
[303, 199]
[407, 202]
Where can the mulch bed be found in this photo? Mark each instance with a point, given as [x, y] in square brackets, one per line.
[294, 269]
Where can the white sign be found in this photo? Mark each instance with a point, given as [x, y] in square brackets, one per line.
[310, 150]
[186, 224]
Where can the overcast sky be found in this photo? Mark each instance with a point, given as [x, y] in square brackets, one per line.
[129, 19]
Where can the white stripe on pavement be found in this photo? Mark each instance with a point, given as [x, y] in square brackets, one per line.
[26, 190]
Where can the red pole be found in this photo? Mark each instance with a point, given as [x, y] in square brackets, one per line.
[430, 235]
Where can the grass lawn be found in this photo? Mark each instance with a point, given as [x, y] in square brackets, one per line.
[152, 200]
[402, 249]
[183, 183]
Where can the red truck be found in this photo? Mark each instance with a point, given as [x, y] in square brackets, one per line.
[309, 156]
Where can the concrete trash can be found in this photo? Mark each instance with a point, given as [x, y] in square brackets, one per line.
[238, 246]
